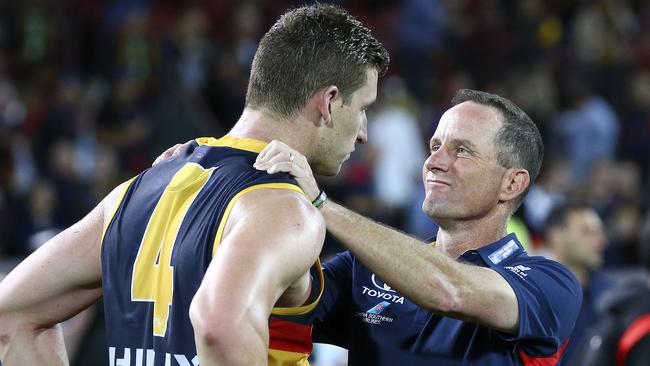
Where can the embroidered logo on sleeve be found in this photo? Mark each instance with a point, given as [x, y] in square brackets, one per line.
[519, 270]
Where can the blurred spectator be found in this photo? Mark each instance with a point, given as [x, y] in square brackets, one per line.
[195, 51]
[420, 35]
[601, 31]
[535, 91]
[12, 109]
[72, 193]
[247, 29]
[417, 223]
[399, 148]
[586, 132]
[24, 168]
[548, 192]
[576, 238]
[125, 123]
[621, 335]
[41, 220]
[635, 133]
[615, 191]
[624, 225]
[137, 50]
[224, 90]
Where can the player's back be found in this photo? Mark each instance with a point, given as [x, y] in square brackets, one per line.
[159, 244]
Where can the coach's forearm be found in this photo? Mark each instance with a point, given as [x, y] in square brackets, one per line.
[24, 345]
[425, 276]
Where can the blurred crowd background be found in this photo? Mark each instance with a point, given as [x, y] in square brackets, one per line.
[92, 91]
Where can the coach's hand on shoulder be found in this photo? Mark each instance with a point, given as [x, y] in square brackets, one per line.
[279, 157]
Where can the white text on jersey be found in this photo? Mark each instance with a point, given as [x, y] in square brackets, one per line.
[146, 357]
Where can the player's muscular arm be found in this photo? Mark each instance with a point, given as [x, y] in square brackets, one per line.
[272, 238]
[56, 282]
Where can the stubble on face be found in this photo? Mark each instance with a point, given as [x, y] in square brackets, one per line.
[339, 136]
[462, 178]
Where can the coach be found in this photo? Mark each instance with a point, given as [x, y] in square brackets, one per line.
[473, 296]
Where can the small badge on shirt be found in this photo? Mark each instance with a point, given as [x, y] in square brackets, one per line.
[504, 252]
[373, 315]
[377, 309]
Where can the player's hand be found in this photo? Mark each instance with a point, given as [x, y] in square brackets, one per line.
[171, 152]
[279, 157]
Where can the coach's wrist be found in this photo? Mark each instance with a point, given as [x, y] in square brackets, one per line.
[309, 188]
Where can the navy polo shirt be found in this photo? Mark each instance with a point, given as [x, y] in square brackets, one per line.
[379, 326]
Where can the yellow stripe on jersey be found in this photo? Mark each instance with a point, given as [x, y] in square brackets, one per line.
[226, 214]
[123, 188]
[300, 310]
[251, 145]
[287, 358]
[152, 271]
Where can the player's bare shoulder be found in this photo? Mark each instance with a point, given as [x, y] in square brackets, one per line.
[287, 211]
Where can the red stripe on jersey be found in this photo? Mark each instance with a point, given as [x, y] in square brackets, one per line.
[289, 336]
[637, 330]
[545, 360]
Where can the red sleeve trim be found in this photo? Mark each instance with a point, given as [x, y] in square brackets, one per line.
[633, 334]
[545, 360]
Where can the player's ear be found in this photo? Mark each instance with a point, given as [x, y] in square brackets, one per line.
[324, 102]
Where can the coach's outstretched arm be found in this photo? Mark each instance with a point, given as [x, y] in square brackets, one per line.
[425, 275]
[56, 282]
[271, 238]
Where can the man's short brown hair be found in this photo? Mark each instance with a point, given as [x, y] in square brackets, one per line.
[307, 49]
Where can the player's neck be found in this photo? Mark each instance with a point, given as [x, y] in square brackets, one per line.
[263, 126]
[457, 237]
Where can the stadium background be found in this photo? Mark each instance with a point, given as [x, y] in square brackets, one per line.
[92, 91]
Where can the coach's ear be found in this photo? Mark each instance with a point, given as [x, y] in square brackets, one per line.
[514, 183]
[324, 101]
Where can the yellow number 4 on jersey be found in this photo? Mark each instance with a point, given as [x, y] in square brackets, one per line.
[152, 271]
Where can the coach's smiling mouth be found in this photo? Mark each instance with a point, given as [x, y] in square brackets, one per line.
[437, 182]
